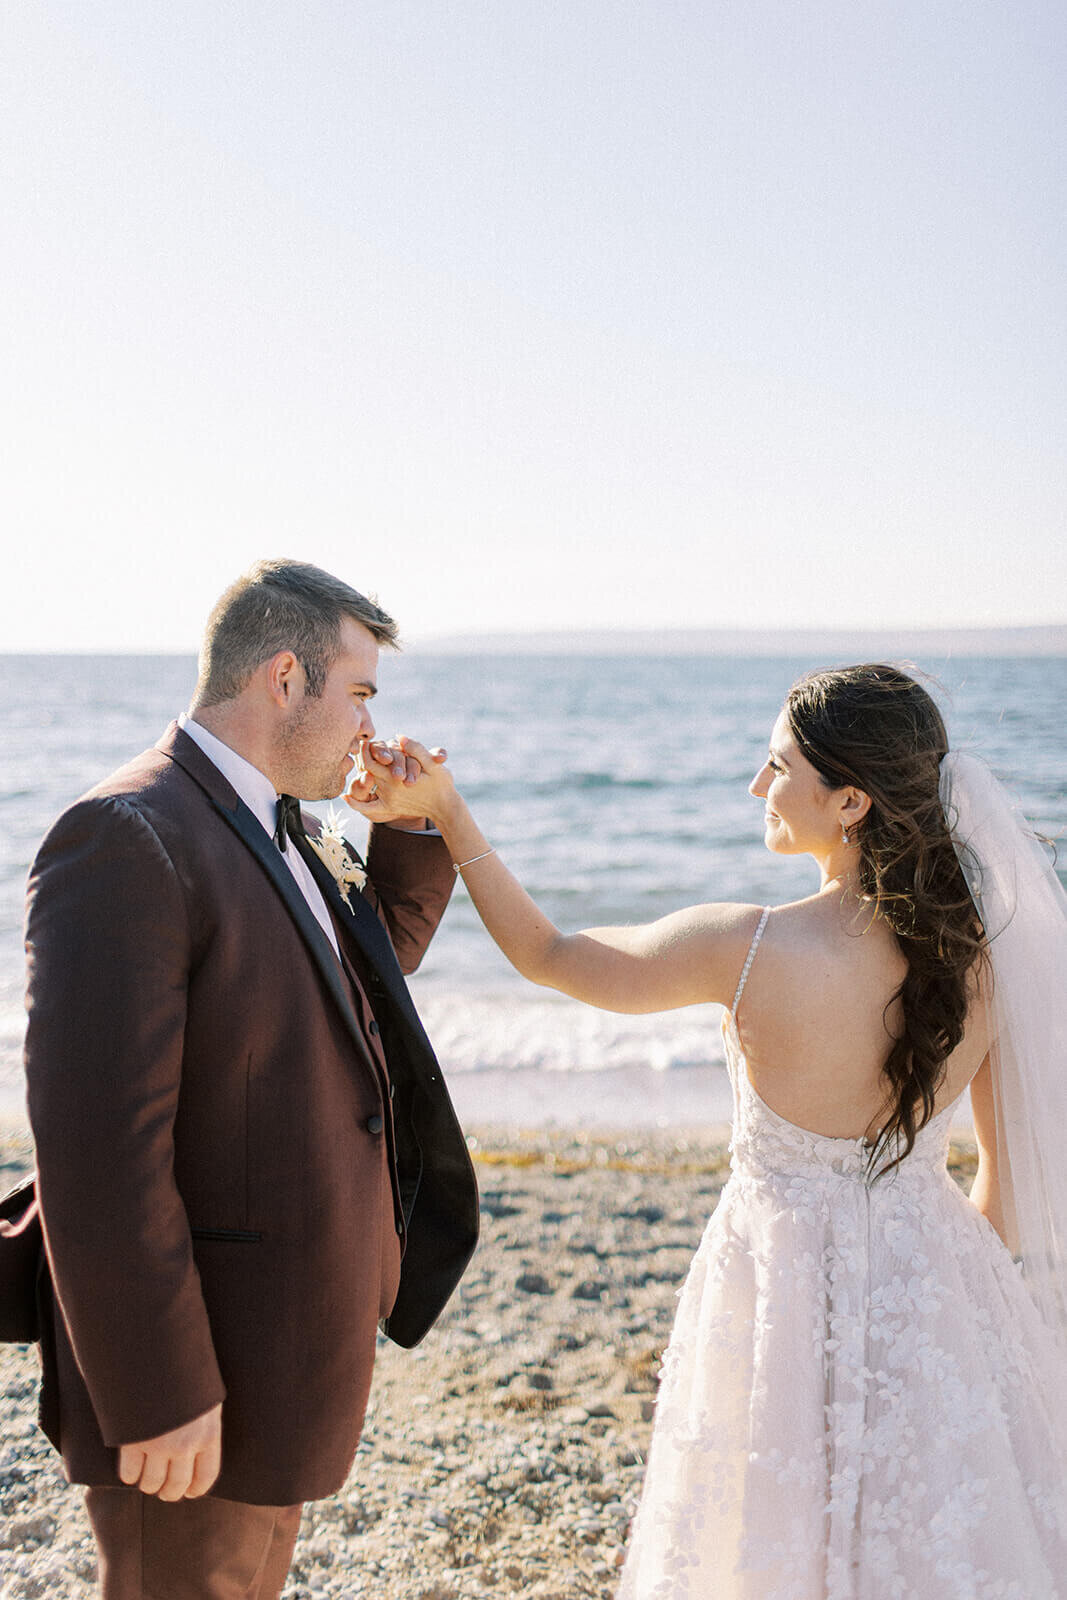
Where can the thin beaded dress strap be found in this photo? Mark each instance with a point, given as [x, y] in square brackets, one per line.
[746, 969]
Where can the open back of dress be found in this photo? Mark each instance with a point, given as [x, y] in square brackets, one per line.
[852, 1401]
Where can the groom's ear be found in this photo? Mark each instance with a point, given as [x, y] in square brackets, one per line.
[284, 679]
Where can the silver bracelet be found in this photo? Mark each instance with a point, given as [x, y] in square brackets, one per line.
[457, 866]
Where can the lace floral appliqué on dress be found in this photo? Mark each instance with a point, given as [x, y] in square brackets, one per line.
[851, 1403]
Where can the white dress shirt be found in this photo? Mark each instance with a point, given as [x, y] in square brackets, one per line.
[260, 796]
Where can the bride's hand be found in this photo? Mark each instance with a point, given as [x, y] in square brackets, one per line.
[399, 781]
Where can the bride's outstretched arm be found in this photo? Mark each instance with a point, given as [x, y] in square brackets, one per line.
[690, 956]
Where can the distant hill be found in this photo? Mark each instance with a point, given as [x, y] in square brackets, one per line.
[811, 643]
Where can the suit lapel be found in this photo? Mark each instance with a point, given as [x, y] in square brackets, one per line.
[248, 828]
[228, 803]
[359, 921]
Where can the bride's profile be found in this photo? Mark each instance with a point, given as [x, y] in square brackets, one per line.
[865, 1392]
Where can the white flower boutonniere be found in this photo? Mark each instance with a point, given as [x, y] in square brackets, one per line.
[331, 847]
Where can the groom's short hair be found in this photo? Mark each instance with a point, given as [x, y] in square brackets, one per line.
[281, 605]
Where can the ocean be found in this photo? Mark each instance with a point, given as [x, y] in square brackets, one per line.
[615, 787]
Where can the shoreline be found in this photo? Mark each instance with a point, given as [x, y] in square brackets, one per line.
[505, 1453]
[555, 1098]
[637, 1102]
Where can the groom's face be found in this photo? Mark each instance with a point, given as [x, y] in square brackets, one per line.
[320, 737]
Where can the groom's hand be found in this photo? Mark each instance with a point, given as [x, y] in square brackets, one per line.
[180, 1465]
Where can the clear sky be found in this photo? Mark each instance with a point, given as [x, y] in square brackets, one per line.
[533, 313]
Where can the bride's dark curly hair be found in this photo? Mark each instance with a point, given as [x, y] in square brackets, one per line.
[875, 728]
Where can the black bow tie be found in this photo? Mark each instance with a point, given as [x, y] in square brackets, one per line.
[289, 820]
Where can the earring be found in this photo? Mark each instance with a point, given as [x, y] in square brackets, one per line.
[844, 835]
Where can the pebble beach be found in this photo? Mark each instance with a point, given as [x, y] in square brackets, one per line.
[505, 1454]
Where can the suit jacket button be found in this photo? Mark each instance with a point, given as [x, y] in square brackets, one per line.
[373, 1028]
[375, 1124]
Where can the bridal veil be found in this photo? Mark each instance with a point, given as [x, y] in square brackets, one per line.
[1023, 909]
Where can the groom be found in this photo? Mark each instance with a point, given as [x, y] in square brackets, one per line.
[247, 1157]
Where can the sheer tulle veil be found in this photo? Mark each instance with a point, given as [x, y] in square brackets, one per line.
[1023, 908]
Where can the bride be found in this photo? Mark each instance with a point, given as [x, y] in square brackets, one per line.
[865, 1389]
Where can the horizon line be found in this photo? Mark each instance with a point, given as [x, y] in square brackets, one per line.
[1047, 639]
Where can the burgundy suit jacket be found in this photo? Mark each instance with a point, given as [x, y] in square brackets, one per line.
[230, 1156]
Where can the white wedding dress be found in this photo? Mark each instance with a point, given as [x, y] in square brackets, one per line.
[856, 1400]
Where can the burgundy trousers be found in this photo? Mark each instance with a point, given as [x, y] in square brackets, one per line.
[203, 1549]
